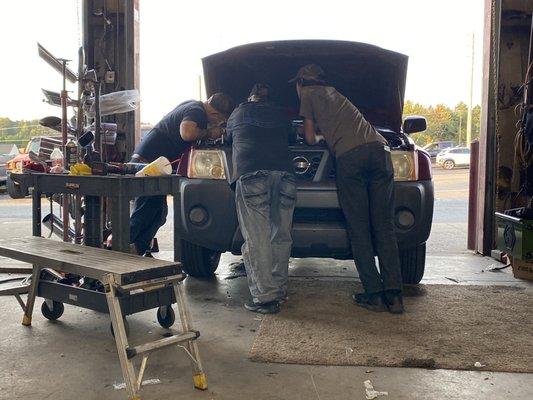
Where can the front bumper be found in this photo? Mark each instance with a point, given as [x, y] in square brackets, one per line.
[319, 228]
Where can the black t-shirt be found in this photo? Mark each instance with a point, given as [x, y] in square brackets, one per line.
[259, 133]
[165, 139]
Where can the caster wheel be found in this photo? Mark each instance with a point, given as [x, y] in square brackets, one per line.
[56, 311]
[126, 327]
[166, 318]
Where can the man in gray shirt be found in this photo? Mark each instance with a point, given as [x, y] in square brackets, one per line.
[365, 183]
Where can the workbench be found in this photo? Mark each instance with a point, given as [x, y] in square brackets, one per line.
[119, 189]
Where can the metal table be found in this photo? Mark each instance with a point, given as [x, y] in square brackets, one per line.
[119, 189]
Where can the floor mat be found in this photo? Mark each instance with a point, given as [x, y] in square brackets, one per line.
[445, 326]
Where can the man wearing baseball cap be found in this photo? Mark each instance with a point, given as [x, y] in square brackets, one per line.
[189, 122]
[365, 183]
[265, 195]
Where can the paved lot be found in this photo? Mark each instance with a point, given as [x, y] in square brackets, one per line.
[75, 357]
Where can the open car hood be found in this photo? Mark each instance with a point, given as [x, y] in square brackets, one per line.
[371, 77]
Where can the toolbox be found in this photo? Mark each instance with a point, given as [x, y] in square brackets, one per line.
[515, 236]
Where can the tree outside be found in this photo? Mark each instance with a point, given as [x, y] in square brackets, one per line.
[20, 132]
[444, 123]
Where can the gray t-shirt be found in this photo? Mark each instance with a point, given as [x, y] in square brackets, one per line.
[341, 123]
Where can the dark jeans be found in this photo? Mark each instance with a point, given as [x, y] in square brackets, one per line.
[265, 203]
[149, 214]
[365, 181]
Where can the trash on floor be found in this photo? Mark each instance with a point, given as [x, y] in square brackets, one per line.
[452, 279]
[120, 386]
[371, 393]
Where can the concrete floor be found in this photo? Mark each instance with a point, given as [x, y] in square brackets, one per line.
[75, 357]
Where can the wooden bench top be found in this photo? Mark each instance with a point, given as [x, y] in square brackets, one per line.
[86, 261]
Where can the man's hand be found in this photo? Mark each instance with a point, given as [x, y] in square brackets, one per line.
[214, 132]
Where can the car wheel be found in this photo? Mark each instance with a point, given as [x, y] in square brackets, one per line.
[413, 262]
[448, 164]
[199, 261]
[14, 190]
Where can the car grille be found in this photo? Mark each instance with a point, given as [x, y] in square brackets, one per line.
[316, 165]
[318, 215]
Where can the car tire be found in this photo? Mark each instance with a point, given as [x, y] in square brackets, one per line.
[413, 262]
[448, 164]
[14, 190]
[199, 261]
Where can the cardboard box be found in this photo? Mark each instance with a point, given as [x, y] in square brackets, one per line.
[522, 269]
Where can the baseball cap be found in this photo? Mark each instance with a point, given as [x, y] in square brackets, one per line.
[310, 72]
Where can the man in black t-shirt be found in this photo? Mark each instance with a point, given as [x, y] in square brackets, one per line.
[265, 196]
[187, 123]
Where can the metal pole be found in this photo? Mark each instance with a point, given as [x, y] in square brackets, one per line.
[64, 133]
[528, 95]
[97, 118]
[470, 90]
[460, 129]
[200, 87]
[472, 194]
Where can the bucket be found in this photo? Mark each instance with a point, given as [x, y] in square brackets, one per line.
[158, 167]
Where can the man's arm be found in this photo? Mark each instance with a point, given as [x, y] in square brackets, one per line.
[191, 132]
[310, 132]
[306, 111]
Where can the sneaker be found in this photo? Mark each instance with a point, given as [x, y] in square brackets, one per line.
[271, 307]
[394, 301]
[372, 301]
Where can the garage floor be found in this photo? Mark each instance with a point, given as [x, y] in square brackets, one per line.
[76, 356]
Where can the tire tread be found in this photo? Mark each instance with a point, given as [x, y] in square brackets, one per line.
[413, 264]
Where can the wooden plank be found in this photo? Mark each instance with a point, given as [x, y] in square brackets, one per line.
[86, 261]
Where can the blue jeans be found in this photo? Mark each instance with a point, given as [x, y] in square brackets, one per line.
[149, 214]
[265, 204]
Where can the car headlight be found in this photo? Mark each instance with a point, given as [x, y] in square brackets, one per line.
[405, 165]
[206, 164]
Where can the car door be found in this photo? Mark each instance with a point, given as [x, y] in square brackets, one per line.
[465, 156]
[459, 156]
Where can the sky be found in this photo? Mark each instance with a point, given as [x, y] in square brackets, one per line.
[175, 35]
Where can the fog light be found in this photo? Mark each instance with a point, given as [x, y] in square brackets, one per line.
[404, 219]
[198, 215]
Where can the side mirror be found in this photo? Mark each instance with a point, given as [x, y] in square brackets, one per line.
[414, 124]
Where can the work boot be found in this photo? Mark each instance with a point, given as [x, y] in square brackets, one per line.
[272, 307]
[370, 301]
[394, 301]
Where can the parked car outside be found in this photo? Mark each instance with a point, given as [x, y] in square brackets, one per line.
[436, 147]
[451, 158]
[374, 80]
[4, 158]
